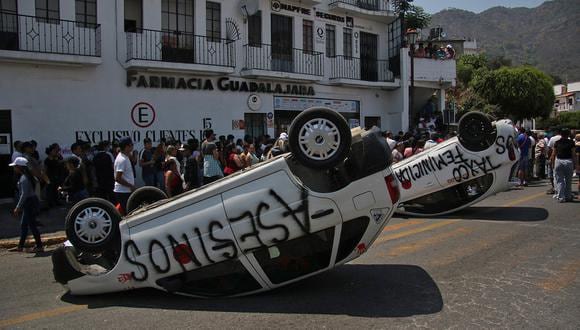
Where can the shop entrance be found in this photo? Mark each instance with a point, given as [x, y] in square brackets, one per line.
[255, 124]
[372, 121]
[6, 174]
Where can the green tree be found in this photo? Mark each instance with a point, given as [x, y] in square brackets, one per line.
[467, 65]
[417, 18]
[521, 92]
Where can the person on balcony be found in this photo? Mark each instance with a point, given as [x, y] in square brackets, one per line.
[420, 52]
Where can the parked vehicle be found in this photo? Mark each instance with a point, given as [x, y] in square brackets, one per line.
[461, 171]
[281, 221]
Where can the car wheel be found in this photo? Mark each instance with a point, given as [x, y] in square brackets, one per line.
[319, 138]
[144, 196]
[92, 225]
[475, 131]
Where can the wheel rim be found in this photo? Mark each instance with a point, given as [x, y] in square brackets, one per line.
[319, 139]
[93, 225]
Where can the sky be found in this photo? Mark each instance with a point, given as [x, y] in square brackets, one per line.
[477, 6]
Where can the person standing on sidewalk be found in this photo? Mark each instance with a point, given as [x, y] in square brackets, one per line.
[563, 158]
[124, 177]
[28, 205]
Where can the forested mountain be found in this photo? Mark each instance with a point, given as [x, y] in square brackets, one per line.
[547, 37]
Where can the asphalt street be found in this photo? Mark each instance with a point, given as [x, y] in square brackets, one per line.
[511, 261]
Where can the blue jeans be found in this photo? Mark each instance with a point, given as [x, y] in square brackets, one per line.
[563, 171]
[160, 180]
[149, 179]
[28, 219]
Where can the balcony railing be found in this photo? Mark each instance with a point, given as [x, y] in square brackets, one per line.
[373, 5]
[180, 47]
[346, 67]
[292, 60]
[53, 36]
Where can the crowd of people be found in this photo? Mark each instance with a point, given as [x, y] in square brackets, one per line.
[554, 155]
[108, 170]
[435, 52]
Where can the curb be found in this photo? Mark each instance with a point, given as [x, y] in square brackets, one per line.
[47, 239]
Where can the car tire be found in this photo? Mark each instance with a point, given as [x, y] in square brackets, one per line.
[92, 225]
[144, 196]
[319, 138]
[475, 131]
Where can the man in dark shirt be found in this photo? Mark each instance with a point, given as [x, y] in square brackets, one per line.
[103, 165]
[147, 163]
[524, 143]
[563, 158]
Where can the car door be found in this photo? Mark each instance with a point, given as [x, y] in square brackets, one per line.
[192, 250]
[284, 230]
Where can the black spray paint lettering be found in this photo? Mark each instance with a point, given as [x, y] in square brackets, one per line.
[164, 266]
[136, 252]
[463, 168]
[257, 224]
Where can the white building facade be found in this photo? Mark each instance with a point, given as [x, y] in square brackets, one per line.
[99, 70]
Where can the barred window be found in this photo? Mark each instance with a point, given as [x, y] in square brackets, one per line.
[48, 11]
[213, 21]
[307, 36]
[86, 12]
[330, 40]
[347, 42]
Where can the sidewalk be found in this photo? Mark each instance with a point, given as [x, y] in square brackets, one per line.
[52, 231]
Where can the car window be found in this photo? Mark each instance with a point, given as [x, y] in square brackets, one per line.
[350, 235]
[450, 198]
[298, 257]
[221, 279]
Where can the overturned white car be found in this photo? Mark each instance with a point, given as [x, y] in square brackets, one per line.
[294, 216]
[461, 171]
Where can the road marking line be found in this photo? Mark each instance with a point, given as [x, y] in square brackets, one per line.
[562, 278]
[524, 199]
[41, 315]
[422, 244]
[402, 225]
[413, 231]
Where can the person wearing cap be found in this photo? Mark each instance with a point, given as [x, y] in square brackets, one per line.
[124, 175]
[27, 205]
[449, 52]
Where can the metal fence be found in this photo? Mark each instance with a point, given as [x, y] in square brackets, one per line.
[346, 67]
[180, 47]
[375, 5]
[266, 57]
[54, 36]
